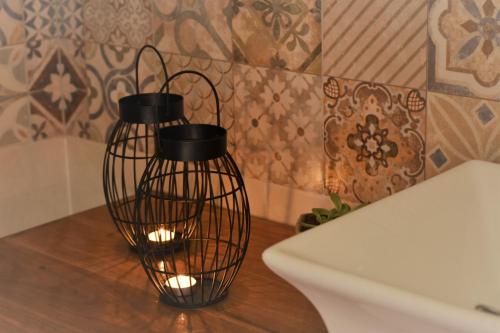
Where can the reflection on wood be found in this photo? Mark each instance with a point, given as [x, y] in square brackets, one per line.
[78, 275]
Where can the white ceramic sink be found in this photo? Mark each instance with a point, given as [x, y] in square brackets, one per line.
[419, 261]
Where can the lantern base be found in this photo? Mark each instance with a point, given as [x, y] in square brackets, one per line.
[195, 300]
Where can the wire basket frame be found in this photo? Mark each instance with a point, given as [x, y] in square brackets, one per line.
[132, 144]
[193, 191]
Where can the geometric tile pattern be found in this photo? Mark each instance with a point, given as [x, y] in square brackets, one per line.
[278, 115]
[460, 129]
[278, 34]
[118, 22]
[464, 48]
[53, 19]
[57, 89]
[376, 40]
[374, 138]
[12, 28]
[194, 28]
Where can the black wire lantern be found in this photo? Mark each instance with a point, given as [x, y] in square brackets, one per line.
[132, 144]
[192, 213]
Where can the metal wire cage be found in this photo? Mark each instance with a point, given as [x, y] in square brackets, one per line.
[192, 214]
[132, 144]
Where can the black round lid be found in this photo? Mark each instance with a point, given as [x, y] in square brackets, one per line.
[141, 108]
[192, 142]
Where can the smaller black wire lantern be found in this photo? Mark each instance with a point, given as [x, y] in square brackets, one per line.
[193, 194]
[132, 144]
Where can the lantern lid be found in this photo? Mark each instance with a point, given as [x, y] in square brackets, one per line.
[192, 142]
[150, 108]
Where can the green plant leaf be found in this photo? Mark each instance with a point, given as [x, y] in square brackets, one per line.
[307, 225]
[320, 211]
[336, 200]
[333, 214]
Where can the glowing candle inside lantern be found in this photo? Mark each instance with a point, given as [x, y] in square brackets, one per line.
[161, 235]
[181, 283]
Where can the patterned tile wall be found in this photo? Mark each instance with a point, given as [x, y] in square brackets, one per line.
[278, 34]
[363, 97]
[374, 138]
[279, 127]
[376, 40]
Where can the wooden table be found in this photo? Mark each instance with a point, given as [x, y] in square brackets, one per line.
[78, 275]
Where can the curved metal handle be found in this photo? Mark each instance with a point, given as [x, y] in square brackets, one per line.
[189, 71]
[156, 126]
[139, 54]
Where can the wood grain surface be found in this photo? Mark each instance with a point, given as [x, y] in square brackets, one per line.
[78, 275]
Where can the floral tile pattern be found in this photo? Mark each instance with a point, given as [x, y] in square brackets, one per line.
[460, 129]
[374, 138]
[284, 34]
[11, 16]
[12, 70]
[118, 22]
[53, 19]
[110, 71]
[57, 88]
[278, 120]
[14, 119]
[464, 48]
[376, 40]
[194, 28]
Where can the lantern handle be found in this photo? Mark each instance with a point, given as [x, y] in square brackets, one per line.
[189, 71]
[165, 72]
[137, 61]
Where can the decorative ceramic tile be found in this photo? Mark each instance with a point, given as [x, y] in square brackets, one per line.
[43, 124]
[118, 22]
[282, 34]
[53, 19]
[11, 16]
[199, 103]
[37, 54]
[14, 121]
[12, 70]
[374, 138]
[57, 87]
[110, 71]
[464, 47]
[279, 127]
[460, 129]
[194, 28]
[376, 40]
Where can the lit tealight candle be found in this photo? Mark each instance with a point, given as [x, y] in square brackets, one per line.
[161, 235]
[181, 283]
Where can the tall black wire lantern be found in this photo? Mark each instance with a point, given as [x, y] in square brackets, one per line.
[192, 213]
[132, 144]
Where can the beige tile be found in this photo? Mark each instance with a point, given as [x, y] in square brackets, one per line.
[13, 70]
[374, 138]
[124, 23]
[11, 16]
[376, 40]
[14, 119]
[461, 129]
[464, 52]
[279, 127]
[32, 173]
[278, 34]
[194, 28]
